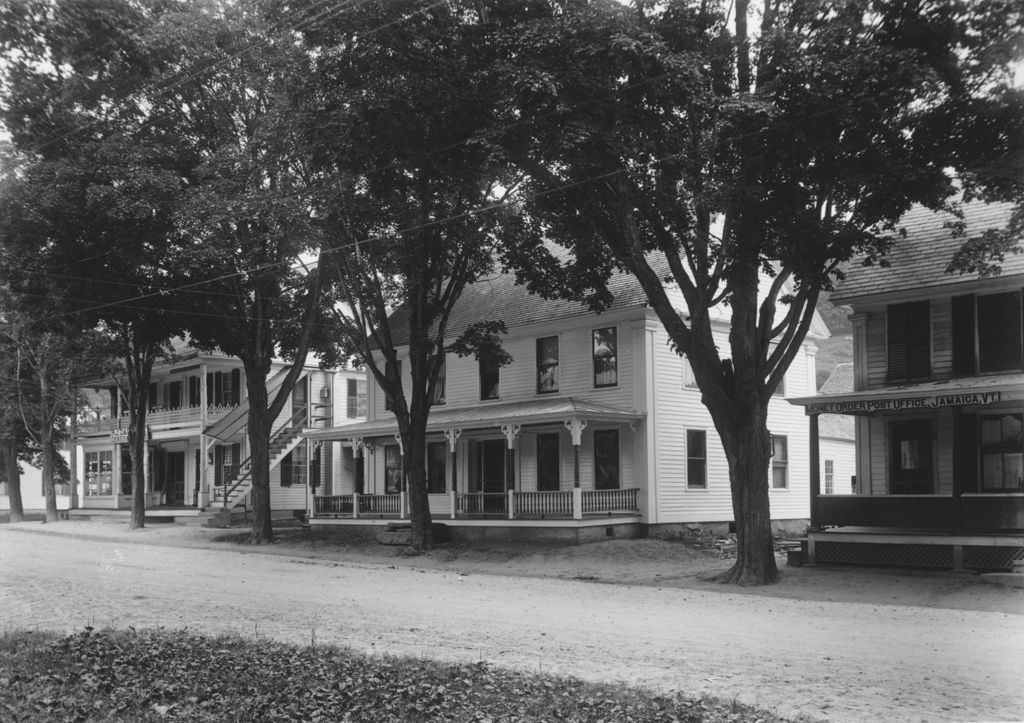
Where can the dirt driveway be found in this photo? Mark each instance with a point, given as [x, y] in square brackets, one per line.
[840, 645]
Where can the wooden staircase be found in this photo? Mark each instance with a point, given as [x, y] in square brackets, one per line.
[226, 497]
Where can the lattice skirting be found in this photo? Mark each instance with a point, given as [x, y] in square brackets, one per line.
[975, 557]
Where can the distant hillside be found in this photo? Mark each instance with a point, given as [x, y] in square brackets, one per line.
[838, 348]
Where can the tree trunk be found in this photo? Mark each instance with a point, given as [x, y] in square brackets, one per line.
[259, 428]
[46, 442]
[13, 476]
[138, 399]
[419, 500]
[137, 451]
[747, 446]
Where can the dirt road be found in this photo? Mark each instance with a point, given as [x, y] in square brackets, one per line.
[839, 661]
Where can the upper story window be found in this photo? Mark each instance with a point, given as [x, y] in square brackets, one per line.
[223, 388]
[439, 386]
[689, 380]
[606, 357]
[355, 399]
[908, 341]
[547, 365]
[489, 376]
[987, 333]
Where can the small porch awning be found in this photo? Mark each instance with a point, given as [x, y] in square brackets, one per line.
[539, 411]
[972, 391]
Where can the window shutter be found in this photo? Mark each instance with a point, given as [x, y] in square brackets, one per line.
[286, 470]
[209, 388]
[963, 336]
[236, 386]
[908, 338]
[218, 465]
[193, 391]
[896, 337]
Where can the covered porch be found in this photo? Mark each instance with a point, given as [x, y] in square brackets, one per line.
[939, 480]
[481, 472]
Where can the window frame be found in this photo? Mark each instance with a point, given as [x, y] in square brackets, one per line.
[354, 403]
[1002, 453]
[689, 380]
[392, 472]
[830, 476]
[605, 364]
[488, 366]
[102, 475]
[437, 485]
[692, 459]
[780, 463]
[547, 367]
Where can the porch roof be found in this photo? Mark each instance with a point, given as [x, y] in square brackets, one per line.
[534, 411]
[971, 391]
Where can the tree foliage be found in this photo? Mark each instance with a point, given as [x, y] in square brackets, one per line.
[701, 148]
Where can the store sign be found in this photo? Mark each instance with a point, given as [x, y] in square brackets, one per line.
[119, 435]
[900, 404]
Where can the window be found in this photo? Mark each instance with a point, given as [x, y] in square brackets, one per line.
[696, 458]
[172, 395]
[99, 473]
[194, 398]
[689, 380]
[1002, 452]
[987, 334]
[294, 468]
[126, 470]
[606, 459]
[606, 357]
[908, 341]
[223, 388]
[153, 396]
[441, 383]
[489, 376]
[780, 462]
[548, 463]
[355, 399]
[392, 470]
[225, 463]
[547, 365]
[910, 465]
[830, 476]
[391, 371]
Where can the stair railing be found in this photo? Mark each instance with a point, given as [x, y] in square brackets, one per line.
[293, 423]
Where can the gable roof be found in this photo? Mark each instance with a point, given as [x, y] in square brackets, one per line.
[919, 260]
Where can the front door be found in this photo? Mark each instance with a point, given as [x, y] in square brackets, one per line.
[911, 458]
[174, 478]
[490, 465]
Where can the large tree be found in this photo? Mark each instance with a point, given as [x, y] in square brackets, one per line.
[707, 146]
[398, 111]
[88, 206]
[248, 235]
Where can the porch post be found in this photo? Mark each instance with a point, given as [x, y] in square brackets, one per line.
[357, 455]
[452, 435]
[576, 427]
[401, 477]
[73, 453]
[205, 494]
[815, 473]
[511, 431]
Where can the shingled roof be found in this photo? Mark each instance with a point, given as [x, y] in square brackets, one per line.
[920, 259]
[838, 426]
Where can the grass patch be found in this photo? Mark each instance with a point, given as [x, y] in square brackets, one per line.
[158, 675]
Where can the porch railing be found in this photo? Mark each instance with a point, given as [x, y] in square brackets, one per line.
[601, 501]
[475, 504]
[543, 504]
[970, 512]
[154, 417]
[567, 505]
